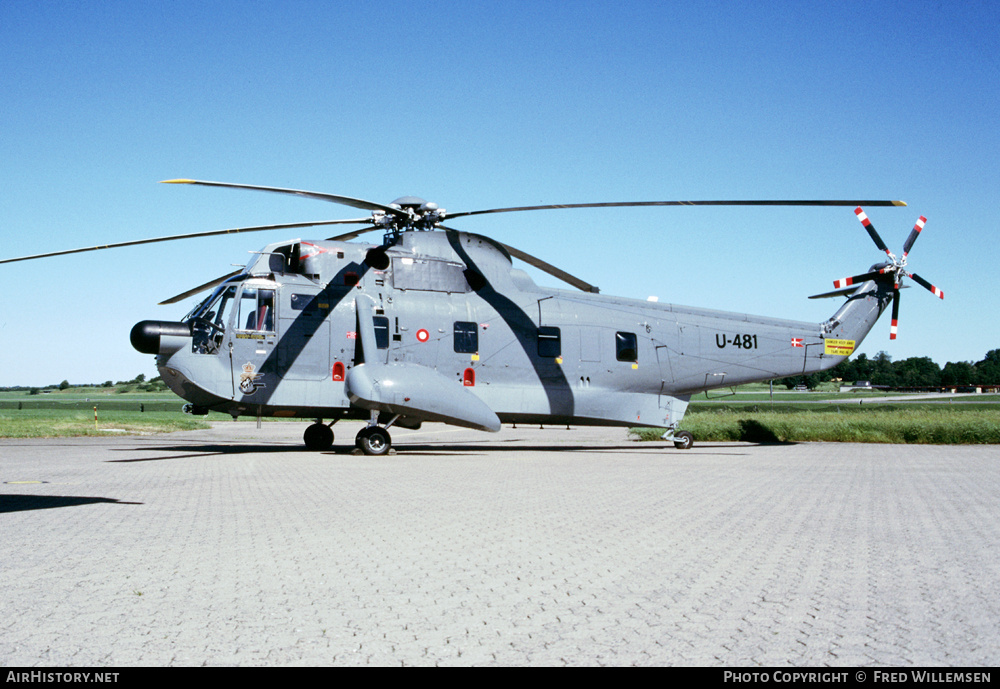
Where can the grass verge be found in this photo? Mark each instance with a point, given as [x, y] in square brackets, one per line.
[938, 425]
[51, 423]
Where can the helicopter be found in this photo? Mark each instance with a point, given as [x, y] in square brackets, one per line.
[434, 324]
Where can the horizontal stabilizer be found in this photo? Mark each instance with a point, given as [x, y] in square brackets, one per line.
[835, 293]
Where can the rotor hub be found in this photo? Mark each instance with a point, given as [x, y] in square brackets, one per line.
[409, 213]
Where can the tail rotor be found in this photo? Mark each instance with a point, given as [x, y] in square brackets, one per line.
[894, 269]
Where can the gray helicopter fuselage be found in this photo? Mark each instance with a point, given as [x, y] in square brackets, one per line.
[439, 326]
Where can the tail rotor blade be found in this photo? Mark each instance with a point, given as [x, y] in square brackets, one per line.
[871, 230]
[893, 327]
[856, 279]
[926, 285]
[914, 233]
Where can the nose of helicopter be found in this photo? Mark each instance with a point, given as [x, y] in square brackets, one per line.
[153, 337]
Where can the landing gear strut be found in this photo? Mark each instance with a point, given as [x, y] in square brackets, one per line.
[318, 436]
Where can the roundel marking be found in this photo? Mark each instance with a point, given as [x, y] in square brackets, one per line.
[423, 335]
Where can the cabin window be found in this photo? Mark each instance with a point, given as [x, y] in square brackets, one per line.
[381, 332]
[549, 342]
[466, 337]
[256, 310]
[626, 347]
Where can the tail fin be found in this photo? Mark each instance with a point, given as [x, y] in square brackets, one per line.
[857, 316]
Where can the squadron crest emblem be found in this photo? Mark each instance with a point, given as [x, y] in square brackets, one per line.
[248, 379]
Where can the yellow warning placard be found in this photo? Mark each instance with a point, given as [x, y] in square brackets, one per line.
[838, 347]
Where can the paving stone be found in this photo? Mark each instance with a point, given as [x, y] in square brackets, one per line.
[235, 546]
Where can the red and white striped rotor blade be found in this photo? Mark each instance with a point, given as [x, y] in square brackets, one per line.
[856, 279]
[871, 230]
[923, 283]
[894, 326]
[914, 233]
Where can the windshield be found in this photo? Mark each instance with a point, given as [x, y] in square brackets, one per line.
[210, 317]
[216, 308]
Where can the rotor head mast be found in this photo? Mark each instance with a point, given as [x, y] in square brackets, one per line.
[411, 213]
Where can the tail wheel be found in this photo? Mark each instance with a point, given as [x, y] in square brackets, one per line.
[683, 440]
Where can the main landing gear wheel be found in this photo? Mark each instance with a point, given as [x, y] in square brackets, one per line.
[373, 440]
[683, 440]
[319, 436]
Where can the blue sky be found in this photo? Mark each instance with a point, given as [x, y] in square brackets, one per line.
[480, 105]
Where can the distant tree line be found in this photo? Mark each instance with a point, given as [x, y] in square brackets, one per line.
[918, 372]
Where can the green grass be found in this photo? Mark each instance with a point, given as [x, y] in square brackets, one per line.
[911, 423]
[52, 423]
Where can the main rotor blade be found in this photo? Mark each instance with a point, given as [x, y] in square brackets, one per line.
[333, 198]
[351, 235]
[871, 230]
[137, 242]
[632, 204]
[926, 285]
[914, 233]
[550, 269]
[200, 288]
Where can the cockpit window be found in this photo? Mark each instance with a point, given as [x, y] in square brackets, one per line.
[237, 304]
[221, 297]
[209, 320]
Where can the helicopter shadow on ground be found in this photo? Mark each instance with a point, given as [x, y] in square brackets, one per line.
[195, 451]
[209, 450]
[27, 503]
[623, 449]
[214, 450]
